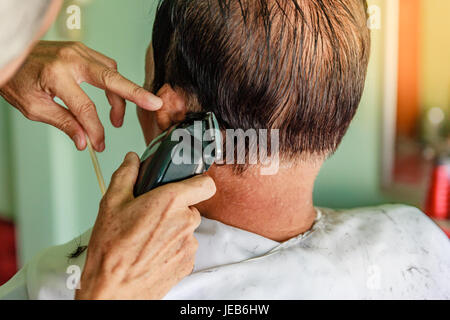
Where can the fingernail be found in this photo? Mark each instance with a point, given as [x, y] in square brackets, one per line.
[101, 147]
[154, 100]
[128, 156]
[78, 141]
[119, 123]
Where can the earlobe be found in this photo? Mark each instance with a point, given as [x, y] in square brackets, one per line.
[173, 109]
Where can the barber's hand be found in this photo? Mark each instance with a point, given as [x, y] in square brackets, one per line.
[56, 69]
[140, 248]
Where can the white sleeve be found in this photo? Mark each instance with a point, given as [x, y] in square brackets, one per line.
[16, 288]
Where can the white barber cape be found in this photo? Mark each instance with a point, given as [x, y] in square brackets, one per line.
[388, 252]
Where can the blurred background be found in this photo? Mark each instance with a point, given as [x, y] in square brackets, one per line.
[396, 150]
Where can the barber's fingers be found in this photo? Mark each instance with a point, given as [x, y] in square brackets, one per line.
[117, 103]
[82, 107]
[185, 193]
[123, 180]
[111, 80]
[181, 194]
[56, 115]
[107, 61]
[118, 106]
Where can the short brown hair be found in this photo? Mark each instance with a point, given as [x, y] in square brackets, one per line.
[294, 65]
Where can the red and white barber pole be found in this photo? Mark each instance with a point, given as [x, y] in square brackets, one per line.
[438, 201]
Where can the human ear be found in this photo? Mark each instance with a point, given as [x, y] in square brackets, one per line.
[153, 123]
[173, 109]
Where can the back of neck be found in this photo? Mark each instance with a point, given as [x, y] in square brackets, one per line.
[277, 207]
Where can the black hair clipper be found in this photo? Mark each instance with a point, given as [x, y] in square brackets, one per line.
[185, 150]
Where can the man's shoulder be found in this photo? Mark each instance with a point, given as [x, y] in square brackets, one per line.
[403, 218]
[401, 227]
[406, 252]
[385, 209]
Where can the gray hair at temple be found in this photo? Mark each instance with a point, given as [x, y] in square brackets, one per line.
[20, 21]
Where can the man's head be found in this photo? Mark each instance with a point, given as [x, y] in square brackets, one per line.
[294, 65]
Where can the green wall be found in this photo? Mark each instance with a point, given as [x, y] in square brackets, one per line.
[5, 165]
[56, 193]
[352, 177]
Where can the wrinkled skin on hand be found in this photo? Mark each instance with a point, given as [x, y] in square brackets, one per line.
[140, 248]
[56, 69]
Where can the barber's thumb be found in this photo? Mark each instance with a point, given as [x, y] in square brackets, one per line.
[124, 179]
[191, 191]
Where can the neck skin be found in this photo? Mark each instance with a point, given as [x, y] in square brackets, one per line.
[278, 207]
